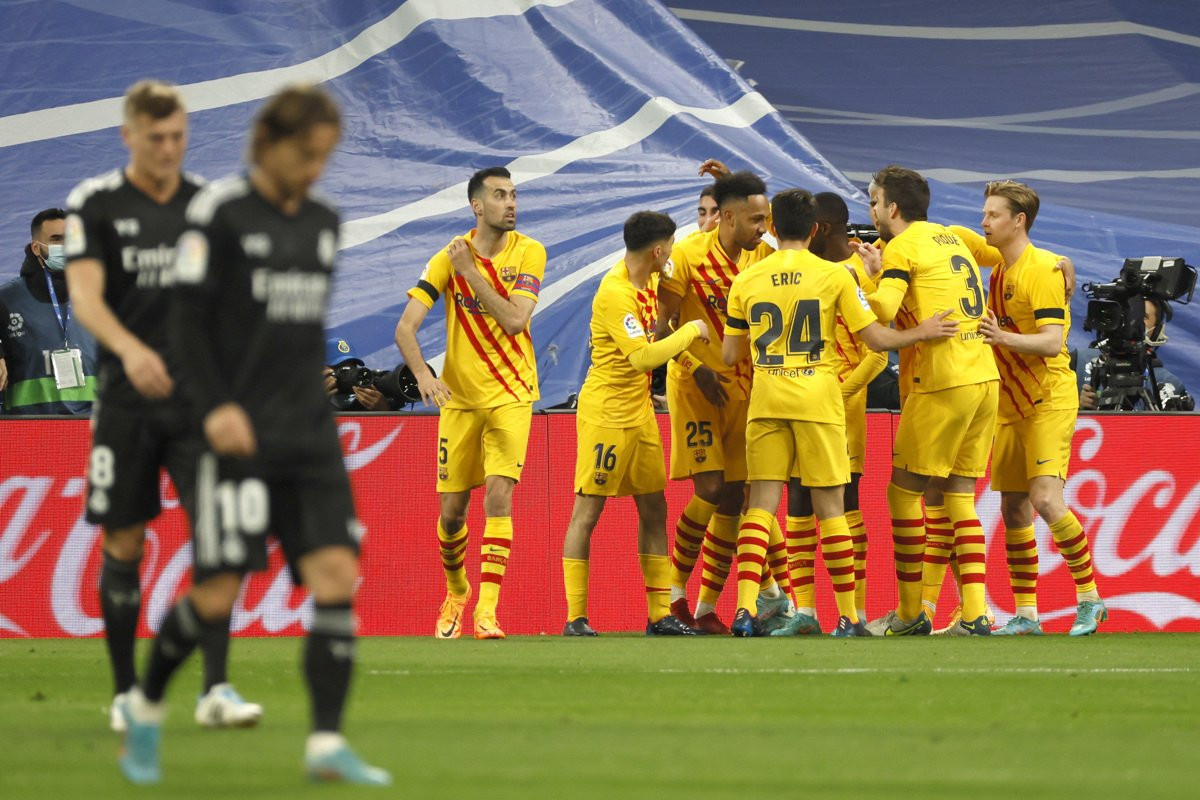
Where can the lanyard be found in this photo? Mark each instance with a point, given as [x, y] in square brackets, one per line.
[63, 319]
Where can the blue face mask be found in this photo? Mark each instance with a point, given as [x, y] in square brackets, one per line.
[56, 256]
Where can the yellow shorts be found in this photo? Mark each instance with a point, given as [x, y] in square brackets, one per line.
[856, 430]
[948, 431]
[619, 462]
[1032, 447]
[814, 452]
[476, 442]
[705, 438]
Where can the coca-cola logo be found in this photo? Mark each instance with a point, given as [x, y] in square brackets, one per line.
[57, 570]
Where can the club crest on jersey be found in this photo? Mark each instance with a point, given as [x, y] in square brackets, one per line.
[600, 478]
[508, 274]
[127, 227]
[862, 299]
[633, 327]
[191, 258]
[443, 474]
[700, 455]
[256, 245]
[1008, 293]
[76, 242]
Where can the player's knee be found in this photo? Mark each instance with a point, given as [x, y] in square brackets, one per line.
[498, 495]
[330, 573]
[708, 486]
[732, 499]
[454, 511]
[1049, 505]
[1015, 510]
[213, 598]
[125, 544]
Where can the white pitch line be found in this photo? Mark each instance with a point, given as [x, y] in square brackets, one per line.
[825, 671]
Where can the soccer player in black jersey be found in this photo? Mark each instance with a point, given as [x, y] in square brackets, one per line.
[252, 281]
[120, 241]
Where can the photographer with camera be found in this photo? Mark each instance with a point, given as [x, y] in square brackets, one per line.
[1124, 372]
[1171, 395]
[349, 383]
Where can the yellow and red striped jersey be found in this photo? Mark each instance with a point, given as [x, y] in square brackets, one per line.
[849, 348]
[486, 367]
[932, 270]
[615, 394]
[789, 304]
[702, 274]
[1025, 296]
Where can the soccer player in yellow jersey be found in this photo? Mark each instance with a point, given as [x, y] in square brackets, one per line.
[619, 451]
[1027, 324]
[782, 314]
[949, 416]
[858, 365]
[707, 399]
[490, 278]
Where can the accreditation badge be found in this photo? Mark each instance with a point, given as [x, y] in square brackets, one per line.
[67, 365]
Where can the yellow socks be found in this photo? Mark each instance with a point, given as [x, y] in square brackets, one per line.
[802, 553]
[493, 560]
[720, 540]
[1072, 542]
[939, 545]
[575, 579]
[657, 572]
[908, 546]
[858, 538]
[1020, 550]
[753, 536]
[838, 552]
[453, 547]
[969, 549]
[689, 535]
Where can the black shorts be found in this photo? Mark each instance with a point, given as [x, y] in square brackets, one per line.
[130, 446]
[307, 504]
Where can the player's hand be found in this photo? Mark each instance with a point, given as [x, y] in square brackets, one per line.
[990, 330]
[1087, 397]
[3, 374]
[330, 381]
[371, 398]
[659, 401]
[229, 432]
[147, 372]
[462, 257]
[708, 381]
[715, 169]
[703, 328]
[433, 391]
[872, 258]
[1067, 267]
[938, 327]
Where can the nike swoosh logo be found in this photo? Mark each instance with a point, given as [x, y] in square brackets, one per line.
[450, 631]
[1041, 461]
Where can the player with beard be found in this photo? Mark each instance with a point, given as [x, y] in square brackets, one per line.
[490, 278]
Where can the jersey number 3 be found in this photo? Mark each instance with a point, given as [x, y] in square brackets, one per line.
[803, 331]
[972, 302]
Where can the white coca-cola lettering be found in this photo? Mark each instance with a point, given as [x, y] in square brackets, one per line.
[32, 491]
[273, 611]
[160, 590]
[67, 584]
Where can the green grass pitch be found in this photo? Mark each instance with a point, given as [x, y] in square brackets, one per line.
[1113, 716]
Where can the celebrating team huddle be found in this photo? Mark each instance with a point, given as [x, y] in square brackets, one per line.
[769, 353]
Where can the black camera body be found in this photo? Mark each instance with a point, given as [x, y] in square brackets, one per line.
[398, 384]
[863, 232]
[1116, 314]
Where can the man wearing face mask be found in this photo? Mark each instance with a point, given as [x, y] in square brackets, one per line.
[47, 360]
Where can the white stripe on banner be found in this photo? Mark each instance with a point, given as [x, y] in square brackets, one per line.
[1074, 30]
[51, 123]
[950, 175]
[743, 113]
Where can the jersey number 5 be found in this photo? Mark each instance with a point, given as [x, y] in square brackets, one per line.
[803, 331]
[972, 302]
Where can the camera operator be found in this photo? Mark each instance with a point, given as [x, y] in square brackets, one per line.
[1172, 395]
[338, 354]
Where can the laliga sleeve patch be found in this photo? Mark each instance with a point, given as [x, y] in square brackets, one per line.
[862, 298]
[668, 270]
[633, 327]
[76, 241]
[191, 258]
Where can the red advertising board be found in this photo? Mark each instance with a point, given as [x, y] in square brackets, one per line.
[1135, 486]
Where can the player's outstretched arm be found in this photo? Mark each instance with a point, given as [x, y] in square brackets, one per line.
[715, 169]
[735, 346]
[433, 391]
[648, 355]
[938, 326]
[144, 367]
